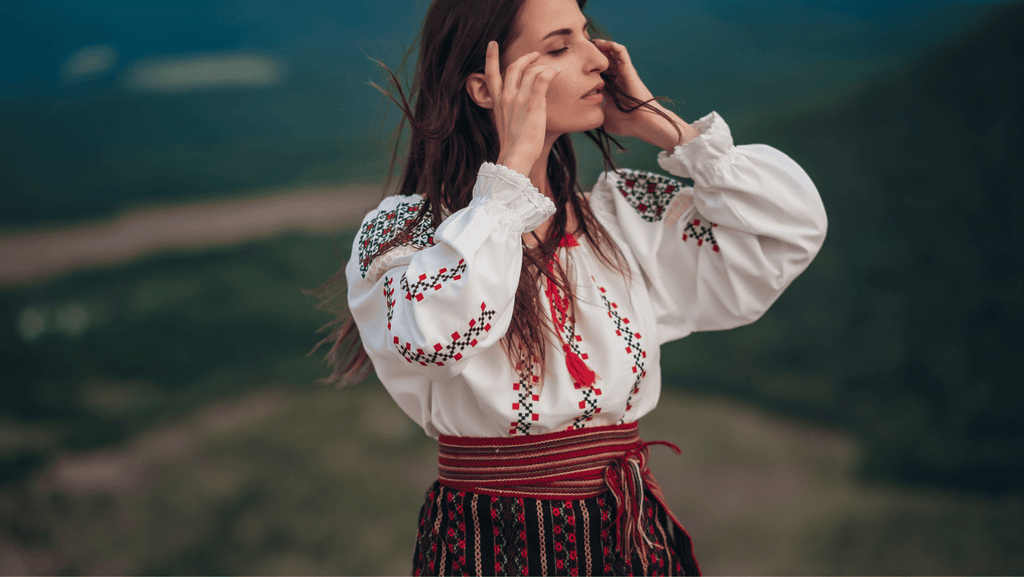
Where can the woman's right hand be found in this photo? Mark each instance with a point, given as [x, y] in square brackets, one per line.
[519, 106]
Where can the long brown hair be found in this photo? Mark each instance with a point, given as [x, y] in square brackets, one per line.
[450, 137]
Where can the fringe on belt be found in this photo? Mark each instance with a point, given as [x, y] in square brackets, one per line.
[576, 464]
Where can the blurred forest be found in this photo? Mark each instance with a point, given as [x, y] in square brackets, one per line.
[907, 317]
[900, 335]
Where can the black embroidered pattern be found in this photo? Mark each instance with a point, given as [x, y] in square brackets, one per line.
[441, 353]
[425, 283]
[563, 538]
[526, 398]
[589, 403]
[633, 347]
[386, 225]
[510, 549]
[703, 234]
[456, 534]
[566, 325]
[647, 192]
[389, 298]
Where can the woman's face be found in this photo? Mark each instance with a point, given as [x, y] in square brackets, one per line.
[557, 29]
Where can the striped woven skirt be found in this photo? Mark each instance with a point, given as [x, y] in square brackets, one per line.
[568, 503]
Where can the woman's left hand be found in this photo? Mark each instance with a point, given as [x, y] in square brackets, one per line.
[640, 123]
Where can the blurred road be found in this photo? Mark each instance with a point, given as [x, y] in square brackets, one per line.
[34, 255]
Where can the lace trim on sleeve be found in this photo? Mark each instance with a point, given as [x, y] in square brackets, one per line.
[510, 176]
[704, 155]
[521, 205]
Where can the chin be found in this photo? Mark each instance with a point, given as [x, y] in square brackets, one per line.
[582, 122]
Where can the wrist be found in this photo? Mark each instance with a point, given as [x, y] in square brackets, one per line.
[673, 134]
[516, 163]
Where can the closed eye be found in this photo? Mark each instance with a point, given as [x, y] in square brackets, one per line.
[559, 51]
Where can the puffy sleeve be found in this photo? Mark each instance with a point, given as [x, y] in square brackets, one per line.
[430, 305]
[715, 255]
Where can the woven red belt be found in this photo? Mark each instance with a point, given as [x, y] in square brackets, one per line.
[575, 464]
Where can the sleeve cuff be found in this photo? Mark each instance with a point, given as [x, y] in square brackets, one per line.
[511, 197]
[701, 157]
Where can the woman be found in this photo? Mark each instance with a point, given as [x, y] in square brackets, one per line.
[518, 320]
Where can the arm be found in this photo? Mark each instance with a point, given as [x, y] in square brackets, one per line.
[718, 255]
[435, 304]
[436, 307]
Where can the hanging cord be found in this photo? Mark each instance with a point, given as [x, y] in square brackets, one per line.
[626, 477]
[581, 374]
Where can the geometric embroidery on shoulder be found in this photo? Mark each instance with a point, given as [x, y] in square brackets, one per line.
[633, 347]
[387, 225]
[440, 353]
[701, 233]
[425, 283]
[647, 192]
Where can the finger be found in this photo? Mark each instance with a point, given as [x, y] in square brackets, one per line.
[540, 85]
[529, 77]
[492, 70]
[513, 74]
[613, 48]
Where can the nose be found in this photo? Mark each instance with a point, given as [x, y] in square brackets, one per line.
[596, 60]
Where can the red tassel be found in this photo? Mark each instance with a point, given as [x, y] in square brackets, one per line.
[580, 372]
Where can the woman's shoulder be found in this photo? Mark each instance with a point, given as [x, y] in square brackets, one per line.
[649, 193]
[393, 216]
[397, 204]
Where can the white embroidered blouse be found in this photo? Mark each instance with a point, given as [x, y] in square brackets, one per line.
[431, 315]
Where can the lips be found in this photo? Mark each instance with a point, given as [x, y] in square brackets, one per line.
[596, 91]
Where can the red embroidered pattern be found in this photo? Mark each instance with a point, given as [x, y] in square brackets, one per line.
[510, 552]
[607, 553]
[425, 283]
[565, 326]
[633, 347]
[571, 342]
[704, 234]
[389, 298]
[588, 405]
[456, 535]
[424, 558]
[386, 225]
[647, 193]
[524, 392]
[441, 352]
[563, 529]
[655, 557]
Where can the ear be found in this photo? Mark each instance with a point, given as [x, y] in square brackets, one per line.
[476, 86]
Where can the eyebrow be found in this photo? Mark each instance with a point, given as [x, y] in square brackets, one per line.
[562, 32]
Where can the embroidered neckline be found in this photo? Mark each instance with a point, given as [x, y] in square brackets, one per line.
[569, 240]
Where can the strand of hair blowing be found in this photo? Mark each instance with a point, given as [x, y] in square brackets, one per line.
[450, 137]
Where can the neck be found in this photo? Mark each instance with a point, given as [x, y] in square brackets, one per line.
[539, 178]
[539, 171]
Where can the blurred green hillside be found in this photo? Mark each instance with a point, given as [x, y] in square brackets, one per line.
[900, 335]
[903, 330]
[900, 332]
